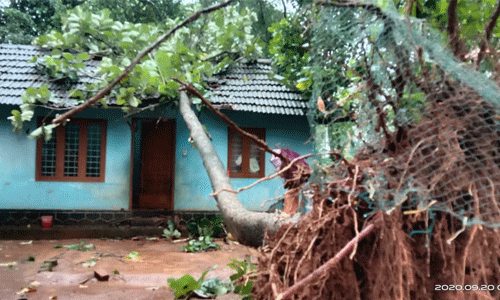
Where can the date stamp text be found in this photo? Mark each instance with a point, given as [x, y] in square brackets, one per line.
[466, 287]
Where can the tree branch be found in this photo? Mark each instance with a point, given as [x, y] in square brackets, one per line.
[189, 88]
[283, 170]
[136, 61]
[452, 29]
[488, 31]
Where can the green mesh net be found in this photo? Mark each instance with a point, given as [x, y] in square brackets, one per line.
[396, 97]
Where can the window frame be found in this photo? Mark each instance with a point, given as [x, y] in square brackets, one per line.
[245, 153]
[60, 131]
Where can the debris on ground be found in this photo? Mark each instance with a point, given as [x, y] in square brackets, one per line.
[101, 275]
[80, 246]
[48, 265]
[133, 255]
[8, 264]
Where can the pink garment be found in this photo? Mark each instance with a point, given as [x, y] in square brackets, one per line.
[291, 155]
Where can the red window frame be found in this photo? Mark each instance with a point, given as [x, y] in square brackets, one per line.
[60, 132]
[245, 154]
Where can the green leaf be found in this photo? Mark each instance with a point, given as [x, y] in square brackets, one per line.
[83, 56]
[90, 263]
[303, 83]
[170, 88]
[213, 287]
[80, 246]
[133, 101]
[184, 285]
[247, 288]
[44, 131]
[68, 56]
[133, 255]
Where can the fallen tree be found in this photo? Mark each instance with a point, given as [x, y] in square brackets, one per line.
[245, 226]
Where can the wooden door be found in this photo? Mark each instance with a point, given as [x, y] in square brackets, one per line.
[157, 165]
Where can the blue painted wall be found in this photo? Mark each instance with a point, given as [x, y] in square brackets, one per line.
[19, 190]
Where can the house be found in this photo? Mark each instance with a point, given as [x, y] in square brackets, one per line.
[103, 166]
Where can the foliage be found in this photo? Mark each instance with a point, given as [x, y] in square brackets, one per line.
[186, 285]
[90, 263]
[203, 233]
[193, 54]
[289, 49]
[16, 27]
[23, 20]
[472, 15]
[133, 255]
[211, 227]
[80, 246]
[136, 11]
[48, 265]
[62, 67]
[202, 243]
[243, 278]
[267, 14]
[170, 232]
[240, 283]
[213, 287]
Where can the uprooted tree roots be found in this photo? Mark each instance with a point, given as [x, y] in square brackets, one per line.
[449, 159]
[388, 264]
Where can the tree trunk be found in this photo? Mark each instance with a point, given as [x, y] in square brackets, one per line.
[246, 226]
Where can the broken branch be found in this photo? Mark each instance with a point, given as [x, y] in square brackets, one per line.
[136, 61]
[263, 178]
[189, 88]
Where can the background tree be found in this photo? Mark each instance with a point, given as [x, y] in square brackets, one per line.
[23, 20]
[16, 27]
[137, 11]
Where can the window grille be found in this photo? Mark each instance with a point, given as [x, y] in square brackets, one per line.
[49, 157]
[93, 150]
[76, 152]
[72, 143]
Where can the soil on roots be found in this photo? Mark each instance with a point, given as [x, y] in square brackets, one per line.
[450, 159]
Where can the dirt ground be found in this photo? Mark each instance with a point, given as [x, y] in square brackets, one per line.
[144, 277]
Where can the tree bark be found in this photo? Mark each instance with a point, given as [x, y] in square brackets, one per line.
[247, 227]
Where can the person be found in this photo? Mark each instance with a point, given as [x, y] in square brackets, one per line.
[293, 181]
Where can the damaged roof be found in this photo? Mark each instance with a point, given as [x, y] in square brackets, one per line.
[244, 87]
[17, 74]
[248, 86]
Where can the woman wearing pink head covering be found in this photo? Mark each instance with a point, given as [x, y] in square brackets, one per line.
[293, 181]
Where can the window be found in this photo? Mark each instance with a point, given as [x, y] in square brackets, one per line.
[76, 152]
[245, 158]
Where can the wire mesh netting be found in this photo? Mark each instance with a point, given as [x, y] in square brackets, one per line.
[418, 133]
[429, 121]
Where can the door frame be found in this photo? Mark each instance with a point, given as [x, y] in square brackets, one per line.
[133, 129]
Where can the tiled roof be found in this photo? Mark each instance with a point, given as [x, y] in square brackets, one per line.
[17, 74]
[248, 87]
[245, 87]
